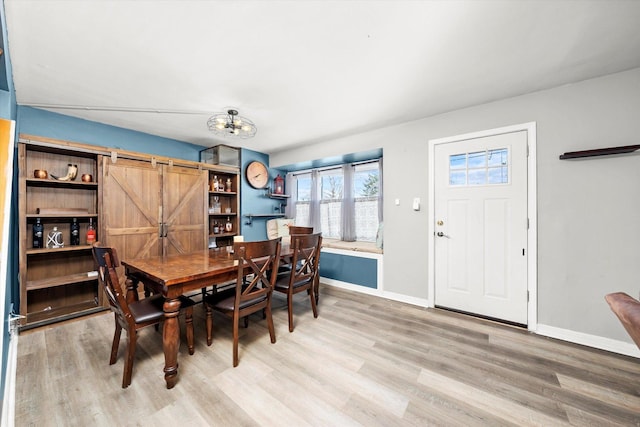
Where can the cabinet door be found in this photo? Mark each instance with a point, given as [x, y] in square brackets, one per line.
[184, 209]
[132, 207]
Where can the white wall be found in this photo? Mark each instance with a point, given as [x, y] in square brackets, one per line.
[588, 210]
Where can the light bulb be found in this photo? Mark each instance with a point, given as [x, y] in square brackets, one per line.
[219, 125]
[236, 131]
[246, 128]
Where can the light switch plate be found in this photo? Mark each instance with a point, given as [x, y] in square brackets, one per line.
[416, 203]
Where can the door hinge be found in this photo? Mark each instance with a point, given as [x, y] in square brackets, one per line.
[527, 150]
[527, 296]
[527, 223]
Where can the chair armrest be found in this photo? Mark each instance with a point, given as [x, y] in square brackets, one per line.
[627, 309]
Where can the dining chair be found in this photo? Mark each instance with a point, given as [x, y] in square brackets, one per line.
[132, 315]
[252, 291]
[297, 229]
[304, 271]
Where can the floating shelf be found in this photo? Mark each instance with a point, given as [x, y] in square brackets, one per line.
[599, 152]
[251, 216]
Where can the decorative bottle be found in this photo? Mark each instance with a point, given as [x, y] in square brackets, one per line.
[75, 233]
[215, 183]
[91, 233]
[216, 227]
[38, 231]
[220, 185]
[228, 226]
[54, 239]
[228, 184]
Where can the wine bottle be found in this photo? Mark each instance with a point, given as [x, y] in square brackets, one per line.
[91, 233]
[228, 226]
[216, 228]
[75, 233]
[38, 231]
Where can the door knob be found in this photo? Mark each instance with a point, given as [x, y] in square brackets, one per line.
[440, 234]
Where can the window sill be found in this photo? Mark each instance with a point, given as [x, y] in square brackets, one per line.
[351, 246]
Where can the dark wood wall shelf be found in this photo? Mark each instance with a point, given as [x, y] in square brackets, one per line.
[599, 152]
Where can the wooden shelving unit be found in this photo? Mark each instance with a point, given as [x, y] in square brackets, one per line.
[57, 284]
[228, 201]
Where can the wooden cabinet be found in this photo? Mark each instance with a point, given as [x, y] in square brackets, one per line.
[60, 283]
[223, 207]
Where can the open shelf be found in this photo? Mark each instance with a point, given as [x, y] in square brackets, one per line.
[252, 216]
[64, 249]
[36, 182]
[61, 281]
[626, 149]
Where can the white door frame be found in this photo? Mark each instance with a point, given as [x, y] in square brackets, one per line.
[532, 239]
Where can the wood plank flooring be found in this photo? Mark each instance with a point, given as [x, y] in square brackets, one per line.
[364, 361]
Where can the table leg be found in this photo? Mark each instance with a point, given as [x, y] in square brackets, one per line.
[171, 340]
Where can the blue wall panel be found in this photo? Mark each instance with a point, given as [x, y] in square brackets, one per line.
[350, 269]
[254, 201]
[35, 121]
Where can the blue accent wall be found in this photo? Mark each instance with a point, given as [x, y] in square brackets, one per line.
[350, 269]
[255, 201]
[35, 121]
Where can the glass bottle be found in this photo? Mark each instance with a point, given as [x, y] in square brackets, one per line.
[217, 208]
[54, 239]
[220, 185]
[75, 233]
[228, 226]
[91, 233]
[215, 183]
[38, 231]
[228, 184]
[216, 227]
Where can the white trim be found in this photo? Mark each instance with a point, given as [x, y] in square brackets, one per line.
[589, 340]
[9, 401]
[532, 240]
[351, 252]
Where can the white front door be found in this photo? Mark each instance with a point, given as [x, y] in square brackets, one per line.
[480, 215]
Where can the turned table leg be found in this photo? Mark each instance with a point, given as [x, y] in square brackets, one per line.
[171, 340]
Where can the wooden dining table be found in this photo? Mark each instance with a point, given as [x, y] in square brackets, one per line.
[176, 275]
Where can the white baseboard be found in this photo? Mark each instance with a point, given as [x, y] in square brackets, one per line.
[594, 341]
[9, 401]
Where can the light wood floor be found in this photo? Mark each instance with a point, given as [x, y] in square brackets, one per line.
[364, 361]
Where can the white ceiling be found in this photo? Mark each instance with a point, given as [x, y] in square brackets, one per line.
[303, 71]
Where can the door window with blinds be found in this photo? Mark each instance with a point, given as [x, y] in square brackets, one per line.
[332, 201]
[489, 167]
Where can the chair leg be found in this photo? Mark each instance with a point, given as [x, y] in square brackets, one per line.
[128, 361]
[312, 298]
[209, 322]
[188, 320]
[290, 310]
[246, 321]
[236, 320]
[116, 344]
[272, 331]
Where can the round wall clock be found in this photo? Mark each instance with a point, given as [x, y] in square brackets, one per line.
[257, 174]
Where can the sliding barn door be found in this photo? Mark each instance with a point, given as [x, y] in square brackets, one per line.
[184, 209]
[132, 195]
[151, 210]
